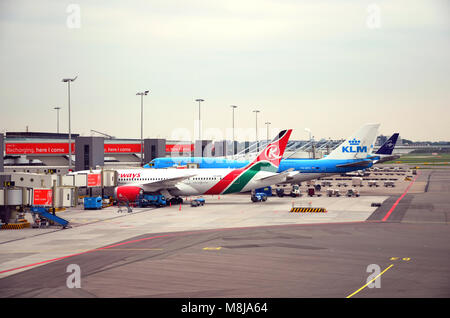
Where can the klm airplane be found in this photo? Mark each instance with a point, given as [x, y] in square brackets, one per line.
[355, 153]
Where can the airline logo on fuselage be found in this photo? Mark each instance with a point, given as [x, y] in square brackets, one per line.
[130, 175]
[354, 146]
[354, 149]
[273, 152]
[390, 145]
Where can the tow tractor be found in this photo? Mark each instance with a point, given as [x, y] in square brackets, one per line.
[295, 192]
[352, 193]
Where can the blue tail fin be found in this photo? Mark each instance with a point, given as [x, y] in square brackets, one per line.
[388, 146]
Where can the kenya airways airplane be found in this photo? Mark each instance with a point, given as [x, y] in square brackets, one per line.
[171, 182]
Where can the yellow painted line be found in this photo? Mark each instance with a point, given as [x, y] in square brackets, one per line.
[212, 248]
[354, 293]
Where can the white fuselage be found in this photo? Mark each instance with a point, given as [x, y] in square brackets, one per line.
[200, 181]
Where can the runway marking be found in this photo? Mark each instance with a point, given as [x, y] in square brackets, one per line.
[354, 293]
[399, 199]
[212, 248]
[396, 258]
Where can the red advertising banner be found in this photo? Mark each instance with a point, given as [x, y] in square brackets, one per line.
[122, 148]
[38, 148]
[63, 148]
[180, 148]
[42, 197]
[94, 180]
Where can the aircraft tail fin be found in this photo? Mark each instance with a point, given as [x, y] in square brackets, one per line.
[358, 145]
[388, 146]
[273, 152]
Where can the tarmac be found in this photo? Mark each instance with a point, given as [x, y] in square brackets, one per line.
[234, 248]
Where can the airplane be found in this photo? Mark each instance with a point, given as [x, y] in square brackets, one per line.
[351, 155]
[174, 183]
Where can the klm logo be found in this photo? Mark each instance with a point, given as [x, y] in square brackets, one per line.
[354, 147]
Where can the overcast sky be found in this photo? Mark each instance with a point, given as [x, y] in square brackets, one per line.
[326, 65]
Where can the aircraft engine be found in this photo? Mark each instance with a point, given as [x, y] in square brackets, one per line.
[127, 193]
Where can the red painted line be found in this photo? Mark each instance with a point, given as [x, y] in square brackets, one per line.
[399, 199]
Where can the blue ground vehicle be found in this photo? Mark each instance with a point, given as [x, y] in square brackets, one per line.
[157, 200]
[266, 190]
[197, 202]
[93, 203]
[259, 196]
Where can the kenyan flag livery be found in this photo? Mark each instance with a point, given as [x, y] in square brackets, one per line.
[267, 160]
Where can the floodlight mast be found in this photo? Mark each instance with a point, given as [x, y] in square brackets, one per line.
[68, 81]
[199, 100]
[142, 94]
[257, 142]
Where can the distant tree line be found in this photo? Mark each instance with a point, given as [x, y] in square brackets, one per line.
[431, 150]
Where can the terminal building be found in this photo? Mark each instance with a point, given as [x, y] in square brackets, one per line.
[32, 151]
[43, 152]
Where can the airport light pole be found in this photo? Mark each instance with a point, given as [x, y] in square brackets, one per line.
[199, 100]
[267, 123]
[142, 94]
[57, 118]
[257, 142]
[68, 81]
[310, 139]
[233, 108]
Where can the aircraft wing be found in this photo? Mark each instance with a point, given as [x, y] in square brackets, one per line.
[362, 164]
[387, 158]
[164, 184]
[279, 177]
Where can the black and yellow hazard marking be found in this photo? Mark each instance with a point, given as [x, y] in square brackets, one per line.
[15, 226]
[306, 210]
